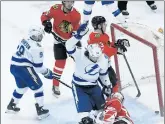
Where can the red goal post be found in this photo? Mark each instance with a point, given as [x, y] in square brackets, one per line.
[155, 60]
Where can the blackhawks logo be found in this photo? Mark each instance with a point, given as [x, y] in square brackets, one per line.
[55, 6]
[66, 26]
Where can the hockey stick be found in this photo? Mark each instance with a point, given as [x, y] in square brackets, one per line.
[139, 93]
[57, 38]
[63, 83]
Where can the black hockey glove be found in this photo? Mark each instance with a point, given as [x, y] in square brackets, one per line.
[86, 120]
[48, 26]
[121, 45]
[107, 90]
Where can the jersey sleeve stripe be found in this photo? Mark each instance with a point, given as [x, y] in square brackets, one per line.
[71, 52]
[87, 12]
[26, 61]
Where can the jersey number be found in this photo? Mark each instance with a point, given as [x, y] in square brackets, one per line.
[21, 50]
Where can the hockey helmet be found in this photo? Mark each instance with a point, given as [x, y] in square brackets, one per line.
[97, 20]
[94, 51]
[36, 33]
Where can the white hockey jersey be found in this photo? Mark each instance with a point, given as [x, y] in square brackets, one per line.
[86, 71]
[29, 53]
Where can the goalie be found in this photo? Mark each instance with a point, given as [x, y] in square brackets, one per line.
[113, 113]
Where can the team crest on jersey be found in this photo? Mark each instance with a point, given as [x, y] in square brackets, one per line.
[92, 69]
[66, 26]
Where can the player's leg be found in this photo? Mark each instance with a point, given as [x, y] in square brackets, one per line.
[152, 5]
[112, 7]
[97, 98]
[83, 102]
[81, 98]
[122, 5]
[113, 79]
[18, 92]
[34, 82]
[60, 61]
[88, 5]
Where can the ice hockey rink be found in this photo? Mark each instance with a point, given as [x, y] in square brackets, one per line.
[17, 17]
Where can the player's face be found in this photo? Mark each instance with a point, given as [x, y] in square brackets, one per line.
[68, 4]
[104, 26]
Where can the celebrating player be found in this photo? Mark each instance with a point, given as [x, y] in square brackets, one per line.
[90, 65]
[28, 60]
[66, 20]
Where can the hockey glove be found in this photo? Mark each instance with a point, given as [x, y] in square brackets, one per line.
[50, 75]
[107, 90]
[86, 120]
[83, 30]
[48, 26]
[121, 45]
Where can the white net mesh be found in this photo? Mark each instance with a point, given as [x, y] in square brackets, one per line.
[139, 55]
[141, 60]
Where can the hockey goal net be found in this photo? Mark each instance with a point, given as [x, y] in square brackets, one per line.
[146, 60]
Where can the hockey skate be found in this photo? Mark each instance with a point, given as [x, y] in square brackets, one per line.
[153, 7]
[56, 91]
[12, 108]
[125, 13]
[41, 112]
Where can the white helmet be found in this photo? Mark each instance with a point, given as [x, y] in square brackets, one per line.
[36, 33]
[95, 51]
[118, 95]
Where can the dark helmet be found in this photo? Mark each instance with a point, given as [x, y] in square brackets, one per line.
[97, 20]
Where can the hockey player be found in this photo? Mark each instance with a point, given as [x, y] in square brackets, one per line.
[66, 20]
[112, 8]
[90, 64]
[28, 60]
[99, 36]
[122, 5]
[114, 112]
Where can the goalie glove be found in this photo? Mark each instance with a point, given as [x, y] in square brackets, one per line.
[121, 45]
[82, 30]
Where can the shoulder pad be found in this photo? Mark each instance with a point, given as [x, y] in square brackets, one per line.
[56, 6]
[76, 10]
